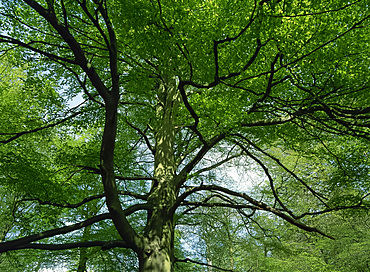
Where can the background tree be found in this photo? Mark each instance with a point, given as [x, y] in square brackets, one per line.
[173, 93]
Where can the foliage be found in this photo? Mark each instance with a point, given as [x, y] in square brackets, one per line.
[128, 128]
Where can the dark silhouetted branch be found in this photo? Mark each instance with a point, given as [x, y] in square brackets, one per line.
[187, 260]
[103, 244]
[14, 244]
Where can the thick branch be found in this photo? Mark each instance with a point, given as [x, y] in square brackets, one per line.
[113, 54]
[95, 170]
[23, 242]
[84, 201]
[10, 40]
[65, 205]
[103, 244]
[359, 205]
[142, 133]
[268, 122]
[14, 244]
[75, 47]
[259, 205]
[231, 39]
[317, 195]
[218, 79]
[181, 178]
[354, 26]
[195, 116]
[269, 84]
[204, 264]
[134, 178]
[216, 204]
[216, 165]
[271, 180]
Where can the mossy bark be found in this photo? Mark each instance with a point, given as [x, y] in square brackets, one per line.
[158, 251]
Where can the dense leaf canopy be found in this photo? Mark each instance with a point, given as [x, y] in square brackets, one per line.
[129, 128]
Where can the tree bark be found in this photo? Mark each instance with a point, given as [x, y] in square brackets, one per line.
[82, 261]
[123, 227]
[157, 253]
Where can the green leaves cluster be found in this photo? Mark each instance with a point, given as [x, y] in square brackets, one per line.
[279, 87]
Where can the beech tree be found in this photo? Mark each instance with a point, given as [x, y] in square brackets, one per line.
[174, 95]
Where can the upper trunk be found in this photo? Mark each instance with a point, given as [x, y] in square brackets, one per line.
[158, 252]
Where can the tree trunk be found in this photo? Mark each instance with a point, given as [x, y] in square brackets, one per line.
[157, 255]
[82, 261]
[158, 251]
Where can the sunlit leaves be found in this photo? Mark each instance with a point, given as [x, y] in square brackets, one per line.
[274, 86]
